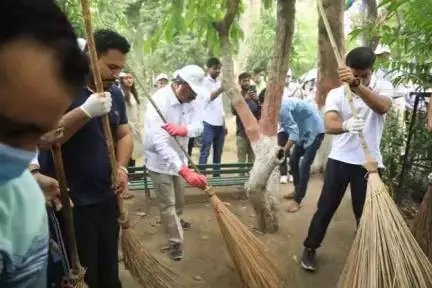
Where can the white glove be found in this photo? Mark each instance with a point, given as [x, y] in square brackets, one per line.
[354, 126]
[97, 104]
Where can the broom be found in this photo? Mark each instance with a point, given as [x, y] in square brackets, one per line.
[248, 253]
[77, 272]
[422, 225]
[384, 253]
[143, 266]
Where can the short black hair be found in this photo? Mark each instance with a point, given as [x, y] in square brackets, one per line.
[257, 70]
[107, 39]
[360, 58]
[244, 75]
[43, 21]
[213, 62]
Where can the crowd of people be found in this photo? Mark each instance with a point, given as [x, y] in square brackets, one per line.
[46, 83]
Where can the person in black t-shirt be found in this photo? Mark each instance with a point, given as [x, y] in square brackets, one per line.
[87, 167]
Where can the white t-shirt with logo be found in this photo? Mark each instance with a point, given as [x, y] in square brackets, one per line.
[346, 147]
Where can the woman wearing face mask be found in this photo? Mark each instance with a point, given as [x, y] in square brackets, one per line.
[133, 112]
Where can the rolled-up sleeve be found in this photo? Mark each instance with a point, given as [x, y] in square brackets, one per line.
[288, 123]
[35, 160]
[159, 141]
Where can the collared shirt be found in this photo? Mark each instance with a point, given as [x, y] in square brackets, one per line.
[162, 153]
[85, 154]
[214, 110]
[23, 234]
[346, 147]
[254, 107]
[301, 120]
[293, 90]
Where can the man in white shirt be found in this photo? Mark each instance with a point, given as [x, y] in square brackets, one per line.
[161, 80]
[214, 123]
[383, 56]
[164, 158]
[372, 100]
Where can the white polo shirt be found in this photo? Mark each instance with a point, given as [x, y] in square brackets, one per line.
[214, 110]
[161, 152]
[346, 147]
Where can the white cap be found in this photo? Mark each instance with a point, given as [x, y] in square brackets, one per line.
[381, 49]
[194, 76]
[122, 74]
[161, 76]
[289, 73]
[82, 43]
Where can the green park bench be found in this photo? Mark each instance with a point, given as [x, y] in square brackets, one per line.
[139, 179]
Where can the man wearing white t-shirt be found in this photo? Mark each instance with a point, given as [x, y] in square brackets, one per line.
[214, 124]
[372, 100]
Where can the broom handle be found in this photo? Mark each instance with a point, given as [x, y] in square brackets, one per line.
[66, 209]
[192, 163]
[99, 88]
[341, 64]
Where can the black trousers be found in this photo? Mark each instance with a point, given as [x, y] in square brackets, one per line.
[97, 232]
[282, 139]
[337, 177]
[191, 145]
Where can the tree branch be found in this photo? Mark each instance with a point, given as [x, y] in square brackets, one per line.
[223, 26]
[280, 63]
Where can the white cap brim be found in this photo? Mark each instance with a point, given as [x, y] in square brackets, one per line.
[199, 90]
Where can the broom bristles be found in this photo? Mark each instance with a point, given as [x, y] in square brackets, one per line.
[144, 267]
[422, 225]
[384, 253]
[249, 254]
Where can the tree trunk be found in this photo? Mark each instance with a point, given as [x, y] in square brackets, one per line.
[248, 19]
[327, 67]
[371, 18]
[263, 177]
[327, 64]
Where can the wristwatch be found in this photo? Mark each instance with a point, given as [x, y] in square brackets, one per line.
[355, 83]
[34, 171]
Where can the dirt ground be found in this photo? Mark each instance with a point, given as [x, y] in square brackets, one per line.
[206, 261]
[207, 264]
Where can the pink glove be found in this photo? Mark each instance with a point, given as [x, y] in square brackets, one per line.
[175, 130]
[192, 178]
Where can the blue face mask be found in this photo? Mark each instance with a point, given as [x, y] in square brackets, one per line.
[13, 162]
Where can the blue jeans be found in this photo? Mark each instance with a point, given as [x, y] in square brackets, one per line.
[212, 135]
[300, 171]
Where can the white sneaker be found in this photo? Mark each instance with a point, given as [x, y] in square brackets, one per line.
[290, 179]
[283, 179]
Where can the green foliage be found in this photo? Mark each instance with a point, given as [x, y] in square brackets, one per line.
[196, 17]
[419, 163]
[407, 28]
[304, 46]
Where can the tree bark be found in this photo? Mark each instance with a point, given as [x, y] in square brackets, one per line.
[327, 64]
[327, 67]
[263, 176]
[371, 18]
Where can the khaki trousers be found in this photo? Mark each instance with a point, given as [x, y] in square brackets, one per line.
[170, 194]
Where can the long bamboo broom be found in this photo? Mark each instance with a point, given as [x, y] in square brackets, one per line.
[143, 266]
[422, 225]
[384, 253]
[77, 272]
[249, 254]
